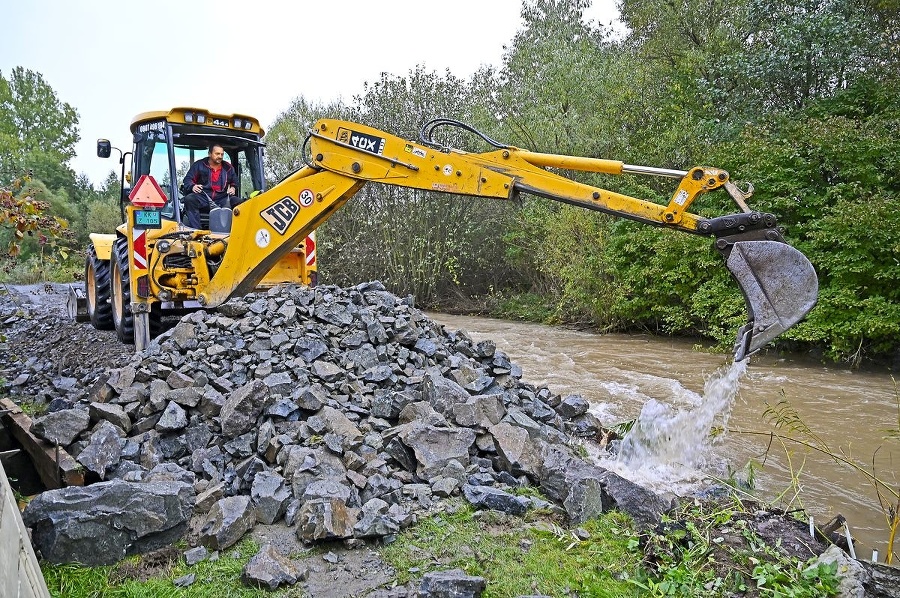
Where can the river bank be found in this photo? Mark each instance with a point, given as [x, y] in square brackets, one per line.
[847, 410]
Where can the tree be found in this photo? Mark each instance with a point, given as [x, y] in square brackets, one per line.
[797, 52]
[38, 132]
[415, 242]
[284, 140]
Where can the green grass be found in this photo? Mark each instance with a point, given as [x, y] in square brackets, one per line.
[521, 557]
[215, 579]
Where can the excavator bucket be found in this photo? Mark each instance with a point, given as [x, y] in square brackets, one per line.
[779, 285]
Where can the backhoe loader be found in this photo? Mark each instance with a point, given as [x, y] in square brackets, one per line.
[166, 261]
[166, 143]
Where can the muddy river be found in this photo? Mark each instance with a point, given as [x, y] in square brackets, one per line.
[851, 414]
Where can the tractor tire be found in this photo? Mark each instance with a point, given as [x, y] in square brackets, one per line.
[96, 283]
[120, 294]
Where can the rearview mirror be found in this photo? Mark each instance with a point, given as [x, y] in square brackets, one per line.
[104, 148]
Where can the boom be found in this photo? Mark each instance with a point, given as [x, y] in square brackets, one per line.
[778, 282]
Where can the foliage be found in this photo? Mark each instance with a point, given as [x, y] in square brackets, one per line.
[536, 558]
[831, 175]
[25, 221]
[688, 555]
[415, 242]
[285, 139]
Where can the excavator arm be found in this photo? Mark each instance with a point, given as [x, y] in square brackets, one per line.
[778, 282]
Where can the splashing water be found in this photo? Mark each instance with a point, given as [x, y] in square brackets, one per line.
[664, 435]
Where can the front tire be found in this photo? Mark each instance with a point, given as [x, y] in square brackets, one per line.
[120, 293]
[96, 283]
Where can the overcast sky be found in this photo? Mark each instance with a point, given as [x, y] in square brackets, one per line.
[113, 59]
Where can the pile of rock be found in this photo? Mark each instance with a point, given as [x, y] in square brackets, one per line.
[347, 413]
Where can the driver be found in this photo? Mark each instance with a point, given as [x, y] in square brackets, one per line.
[210, 181]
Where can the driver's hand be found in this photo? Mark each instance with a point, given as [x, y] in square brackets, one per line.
[197, 188]
[230, 191]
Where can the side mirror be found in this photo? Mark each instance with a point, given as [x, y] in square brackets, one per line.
[104, 148]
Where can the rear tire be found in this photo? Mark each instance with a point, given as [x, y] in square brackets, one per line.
[120, 293]
[96, 283]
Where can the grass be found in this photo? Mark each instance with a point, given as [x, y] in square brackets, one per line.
[521, 557]
[692, 557]
[135, 577]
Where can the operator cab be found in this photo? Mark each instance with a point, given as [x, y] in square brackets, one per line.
[167, 143]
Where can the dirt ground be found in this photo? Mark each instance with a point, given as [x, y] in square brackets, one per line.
[38, 333]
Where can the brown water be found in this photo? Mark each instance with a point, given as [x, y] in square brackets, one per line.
[853, 413]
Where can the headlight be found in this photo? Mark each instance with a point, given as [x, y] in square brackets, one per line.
[201, 118]
[248, 125]
[238, 123]
[188, 117]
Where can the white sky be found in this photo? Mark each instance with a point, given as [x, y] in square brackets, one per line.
[113, 59]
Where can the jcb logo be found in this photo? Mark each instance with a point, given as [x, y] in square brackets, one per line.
[367, 143]
[280, 215]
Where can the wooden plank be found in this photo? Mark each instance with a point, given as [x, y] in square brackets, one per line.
[54, 466]
[20, 573]
[9, 550]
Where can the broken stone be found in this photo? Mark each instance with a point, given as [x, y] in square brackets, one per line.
[451, 584]
[267, 568]
[270, 494]
[227, 522]
[61, 427]
[102, 523]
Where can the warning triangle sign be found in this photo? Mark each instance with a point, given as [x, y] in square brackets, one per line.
[147, 193]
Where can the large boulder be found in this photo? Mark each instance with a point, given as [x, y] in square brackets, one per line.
[102, 523]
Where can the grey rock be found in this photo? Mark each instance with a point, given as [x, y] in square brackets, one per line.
[325, 519]
[103, 450]
[227, 522]
[267, 568]
[102, 523]
[488, 497]
[270, 494]
[337, 422]
[517, 452]
[61, 427]
[243, 407]
[185, 580]
[586, 490]
[850, 572]
[375, 520]
[454, 583]
[112, 413]
[174, 418]
[572, 406]
[195, 555]
[188, 396]
[442, 393]
[434, 447]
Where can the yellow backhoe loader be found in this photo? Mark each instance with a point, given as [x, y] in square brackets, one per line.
[166, 143]
[157, 260]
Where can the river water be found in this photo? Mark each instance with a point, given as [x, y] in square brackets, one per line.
[853, 414]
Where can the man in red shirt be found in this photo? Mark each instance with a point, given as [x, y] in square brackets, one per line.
[210, 181]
